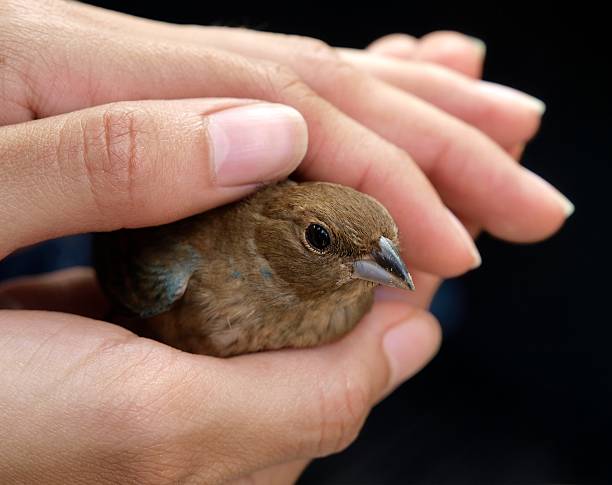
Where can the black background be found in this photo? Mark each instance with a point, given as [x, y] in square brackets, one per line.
[521, 389]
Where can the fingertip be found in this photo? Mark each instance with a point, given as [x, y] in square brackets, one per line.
[401, 46]
[480, 45]
[410, 345]
[409, 337]
[454, 50]
[538, 210]
[553, 203]
[510, 106]
[510, 116]
[441, 245]
[516, 151]
[567, 205]
[475, 260]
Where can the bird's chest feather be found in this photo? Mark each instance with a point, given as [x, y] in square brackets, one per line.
[232, 308]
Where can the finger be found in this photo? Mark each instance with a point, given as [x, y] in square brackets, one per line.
[511, 231]
[340, 150]
[453, 50]
[400, 46]
[517, 151]
[475, 177]
[456, 51]
[139, 163]
[73, 290]
[506, 115]
[427, 284]
[461, 53]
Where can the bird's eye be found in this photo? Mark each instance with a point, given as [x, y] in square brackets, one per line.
[318, 237]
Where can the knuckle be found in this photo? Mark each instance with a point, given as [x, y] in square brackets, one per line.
[395, 37]
[282, 75]
[21, 28]
[325, 69]
[286, 84]
[341, 73]
[16, 55]
[114, 158]
[314, 52]
[342, 412]
[32, 56]
[314, 49]
[444, 35]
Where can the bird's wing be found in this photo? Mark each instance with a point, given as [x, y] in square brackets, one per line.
[142, 275]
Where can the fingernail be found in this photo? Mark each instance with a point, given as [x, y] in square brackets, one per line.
[507, 94]
[469, 242]
[479, 43]
[566, 205]
[256, 143]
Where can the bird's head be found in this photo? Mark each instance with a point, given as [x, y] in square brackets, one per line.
[318, 237]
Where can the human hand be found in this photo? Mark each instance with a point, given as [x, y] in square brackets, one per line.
[93, 402]
[78, 53]
[65, 196]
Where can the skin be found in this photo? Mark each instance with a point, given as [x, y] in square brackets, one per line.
[92, 401]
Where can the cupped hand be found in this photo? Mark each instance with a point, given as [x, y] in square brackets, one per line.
[91, 400]
[87, 401]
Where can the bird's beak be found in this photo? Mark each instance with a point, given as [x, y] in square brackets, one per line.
[384, 266]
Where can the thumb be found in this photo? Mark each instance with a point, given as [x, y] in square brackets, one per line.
[142, 163]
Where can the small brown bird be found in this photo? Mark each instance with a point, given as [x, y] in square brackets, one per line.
[293, 265]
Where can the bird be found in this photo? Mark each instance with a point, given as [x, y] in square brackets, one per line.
[293, 265]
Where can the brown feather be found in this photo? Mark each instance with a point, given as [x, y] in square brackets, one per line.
[257, 284]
